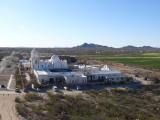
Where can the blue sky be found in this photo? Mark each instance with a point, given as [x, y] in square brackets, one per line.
[65, 23]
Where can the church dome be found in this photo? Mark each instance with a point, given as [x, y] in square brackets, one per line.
[55, 59]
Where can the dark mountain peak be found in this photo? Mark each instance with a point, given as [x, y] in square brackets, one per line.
[90, 45]
[87, 45]
[129, 47]
[147, 47]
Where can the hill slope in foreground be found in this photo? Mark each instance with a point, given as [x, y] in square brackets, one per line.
[142, 104]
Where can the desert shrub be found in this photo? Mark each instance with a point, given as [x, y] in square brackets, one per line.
[116, 104]
[18, 100]
[19, 108]
[22, 110]
[92, 93]
[32, 97]
[18, 79]
[54, 98]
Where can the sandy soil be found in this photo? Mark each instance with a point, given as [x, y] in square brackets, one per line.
[7, 106]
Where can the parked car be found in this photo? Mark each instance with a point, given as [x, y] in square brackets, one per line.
[18, 90]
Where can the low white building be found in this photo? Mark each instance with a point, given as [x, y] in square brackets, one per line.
[106, 77]
[54, 71]
[60, 78]
[102, 74]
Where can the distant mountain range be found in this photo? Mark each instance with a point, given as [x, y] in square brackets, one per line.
[85, 48]
[125, 48]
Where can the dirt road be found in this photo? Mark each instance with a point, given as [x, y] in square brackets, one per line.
[7, 106]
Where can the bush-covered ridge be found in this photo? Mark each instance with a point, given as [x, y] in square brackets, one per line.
[94, 105]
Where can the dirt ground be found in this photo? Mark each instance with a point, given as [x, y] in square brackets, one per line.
[133, 71]
[7, 106]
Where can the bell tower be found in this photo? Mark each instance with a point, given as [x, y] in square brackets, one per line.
[35, 58]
